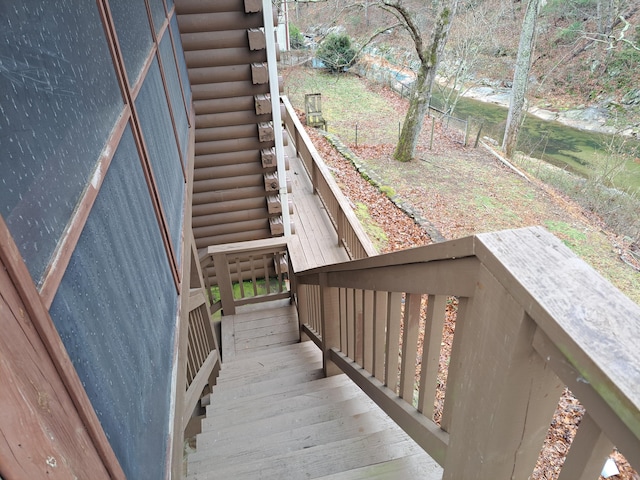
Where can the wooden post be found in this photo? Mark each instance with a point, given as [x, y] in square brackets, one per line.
[466, 130]
[224, 283]
[475, 145]
[340, 220]
[433, 126]
[500, 432]
[330, 321]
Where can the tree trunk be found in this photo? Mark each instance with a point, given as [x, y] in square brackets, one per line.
[412, 126]
[520, 78]
[429, 60]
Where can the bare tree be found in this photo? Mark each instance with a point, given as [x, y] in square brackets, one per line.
[521, 78]
[469, 37]
[429, 50]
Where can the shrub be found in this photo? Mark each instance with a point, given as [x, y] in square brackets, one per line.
[296, 39]
[336, 52]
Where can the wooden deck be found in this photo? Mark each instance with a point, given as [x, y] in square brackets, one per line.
[318, 238]
[273, 415]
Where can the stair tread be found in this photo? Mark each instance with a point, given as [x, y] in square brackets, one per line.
[265, 407]
[285, 421]
[307, 388]
[270, 374]
[246, 363]
[298, 438]
[419, 465]
[266, 387]
[315, 461]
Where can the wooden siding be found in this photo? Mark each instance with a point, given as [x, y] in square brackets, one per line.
[48, 427]
[227, 62]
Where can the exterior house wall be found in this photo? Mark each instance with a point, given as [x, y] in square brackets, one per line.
[94, 127]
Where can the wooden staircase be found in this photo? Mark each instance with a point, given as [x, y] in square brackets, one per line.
[274, 415]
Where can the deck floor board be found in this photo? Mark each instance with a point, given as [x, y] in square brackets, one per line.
[318, 238]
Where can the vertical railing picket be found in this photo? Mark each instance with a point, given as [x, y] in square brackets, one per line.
[392, 341]
[410, 330]
[588, 453]
[379, 334]
[367, 330]
[434, 322]
[330, 327]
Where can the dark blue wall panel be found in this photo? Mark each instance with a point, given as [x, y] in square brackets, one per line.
[163, 151]
[59, 100]
[116, 312]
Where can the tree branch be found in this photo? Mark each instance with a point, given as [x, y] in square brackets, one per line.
[402, 14]
[372, 37]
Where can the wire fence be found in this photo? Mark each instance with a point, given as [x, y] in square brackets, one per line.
[400, 80]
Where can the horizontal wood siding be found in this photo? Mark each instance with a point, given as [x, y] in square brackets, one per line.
[226, 59]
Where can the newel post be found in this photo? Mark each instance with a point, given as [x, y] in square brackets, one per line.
[330, 324]
[503, 394]
[223, 276]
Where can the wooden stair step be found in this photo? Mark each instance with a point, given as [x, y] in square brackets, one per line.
[266, 407]
[264, 322]
[272, 308]
[271, 374]
[267, 387]
[252, 345]
[276, 350]
[315, 461]
[292, 391]
[420, 466]
[258, 369]
[301, 437]
[263, 331]
[284, 421]
[267, 358]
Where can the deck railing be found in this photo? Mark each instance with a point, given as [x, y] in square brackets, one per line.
[351, 235]
[203, 359]
[246, 272]
[529, 318]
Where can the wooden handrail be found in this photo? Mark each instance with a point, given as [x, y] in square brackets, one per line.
[531, 318]
[351, 235]
[253, 261]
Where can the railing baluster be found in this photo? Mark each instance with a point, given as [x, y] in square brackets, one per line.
[350, 319]
[254, 282]
[317, 309]
[240, 278]
[367, 331]
[199, 344]
[434, 321]
[267, 280]
[330, 328]
[379, 331]
[277, 258]
[589, 450]
[455, 366]
[343, 320]
[410, 330]
[358, 320]
[393, 340]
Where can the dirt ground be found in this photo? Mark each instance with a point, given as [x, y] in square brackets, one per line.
[470, 191]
